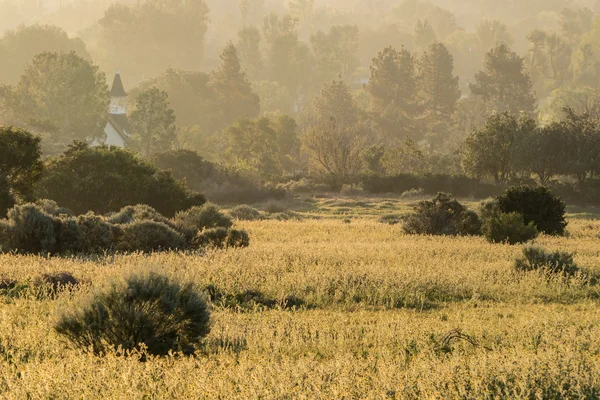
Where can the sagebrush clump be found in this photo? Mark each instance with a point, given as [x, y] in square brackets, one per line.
[536, 258]
[151, 309]
[443, 215]
[246, 213]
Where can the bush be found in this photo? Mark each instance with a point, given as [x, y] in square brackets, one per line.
[7, 201]
[57, 281]
[390, 219]
[52, 208]
[537, 205]
[199, 218]
[442, 216]
[508, 228]
[149, 309]
[97, 235]
[137, 213]
[275, 207]
[221, 238]
[246, 213]
[105, 179]
[237, 238]
[536, 258]
[29, 230]
[351, 190]
[149, 236]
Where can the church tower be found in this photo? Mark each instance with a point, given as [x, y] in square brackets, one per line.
[117, 127]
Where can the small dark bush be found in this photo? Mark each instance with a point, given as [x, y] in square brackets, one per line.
[246, 213]
[149, 236]
[97, 235]
[508, 228]
[536, 258]
[237, 238]
[214, 237]
[199, 218]
[442, 216]
[7, 201]
[150, 309]
[390, 219]
[537, 205]
[57, 281]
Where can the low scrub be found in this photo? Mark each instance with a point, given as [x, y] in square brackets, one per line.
[221, 238]
[44, 229]
[501, 227]
[390, 219]
[152, 310]
[443, 215]
[246, 213]
[536, 259]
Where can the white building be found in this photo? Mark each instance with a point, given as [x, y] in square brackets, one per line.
[117, 127]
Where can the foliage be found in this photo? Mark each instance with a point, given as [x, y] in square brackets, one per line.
[443, 215]
[221, 238]
[538, 206]
[335, 102]
[336, 52]
[30, 231]
[63, 95]
[19, 46]
[245, 213]
[200, 218]
[150, 309]
[7, 201]
[104, 179]
[536, 258]
[508, 228]
[149, 236]
[20, 164]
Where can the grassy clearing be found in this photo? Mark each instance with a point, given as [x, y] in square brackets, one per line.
[324, 309]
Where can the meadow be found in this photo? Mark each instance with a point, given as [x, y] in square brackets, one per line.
[331, 305]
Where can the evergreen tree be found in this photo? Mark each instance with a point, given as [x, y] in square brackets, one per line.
[336, 52]
[152, 122]
[249, 48]
[505, 81]
[439, 91]
[233, 90]
[336, 101]
[423, 35]
[393, 87]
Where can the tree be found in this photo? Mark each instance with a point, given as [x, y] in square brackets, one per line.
[545, 152]
[152, 122]
[336, 52]
[20, 164]
[439, 91]
[132, 36]
[235, 97]
[252, 10]
[393, 87]
[404, 159]
[492, 33]
[337, 149]
[105, 179]
[249, 48]
[493, 151]
[550, 59]
[336, 102]
[423, 35]
[62, 94]
[19, 46]
[584, 153]
[505, 81]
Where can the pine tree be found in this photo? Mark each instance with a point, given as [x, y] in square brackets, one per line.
[393, 87]
[336, 101]
[439, 91]
[232, 88]
[249, 47]
[504, 81]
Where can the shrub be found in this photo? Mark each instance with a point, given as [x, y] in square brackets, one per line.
[214, 237]
[274, 207]
[149, 236]
[390, 219]
[238, 238]
[508, 228]
[56, 281]
[52, 208]
[246, 213]
[7, 201]
[29, 231]
[149, 309]
[199, 218]
[105, 179]
[537, 205]
[137, 213]
[536, 258]
[442, 216]
[97, 235]
[351, 190]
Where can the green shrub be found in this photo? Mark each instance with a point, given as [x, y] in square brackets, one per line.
[536, 258]
[199, 218]
[214, 237]
[69, 238]
[149, 309]
[508, 228]
[137, 213]
[30, 231]
[237, 238]
[150, 236]
[442, 216]
[246, 213]
[537, 205]
[7, 201]
[52, 208]
[390, 219]
[97, 234]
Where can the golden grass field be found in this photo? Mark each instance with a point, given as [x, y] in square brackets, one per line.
[377, 321]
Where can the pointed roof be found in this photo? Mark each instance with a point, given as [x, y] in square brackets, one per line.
[120, 123]
[117, 87]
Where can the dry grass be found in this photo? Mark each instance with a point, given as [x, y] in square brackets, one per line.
[378, 305]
